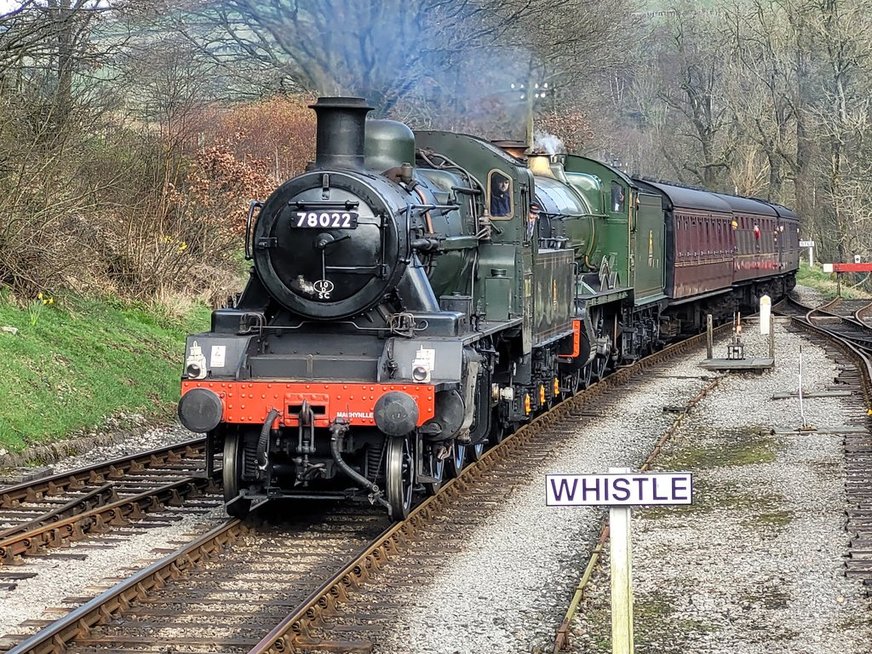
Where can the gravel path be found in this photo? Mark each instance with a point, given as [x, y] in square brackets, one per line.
[754, 565]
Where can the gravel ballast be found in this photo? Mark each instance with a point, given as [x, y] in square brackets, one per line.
[58, 577]
[756, 564]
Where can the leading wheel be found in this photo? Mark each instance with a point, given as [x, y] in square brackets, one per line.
[575, 382]
[586, 373]
[400, 476]
[598, 366]
[232, 476]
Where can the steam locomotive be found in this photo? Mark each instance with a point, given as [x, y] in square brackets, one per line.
[416, 296]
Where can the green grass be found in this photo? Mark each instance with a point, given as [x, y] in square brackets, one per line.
[78, 361]
[826, 284]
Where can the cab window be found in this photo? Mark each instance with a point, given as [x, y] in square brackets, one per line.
[500, 195]
[618, 199]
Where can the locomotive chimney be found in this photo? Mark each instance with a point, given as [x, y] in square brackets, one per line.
[341, 132]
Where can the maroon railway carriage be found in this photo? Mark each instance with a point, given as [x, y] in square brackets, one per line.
[726, 248]
[787, 239]
[699, 241]
[755, 230]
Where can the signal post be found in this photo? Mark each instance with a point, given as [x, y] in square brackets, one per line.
[839, 268]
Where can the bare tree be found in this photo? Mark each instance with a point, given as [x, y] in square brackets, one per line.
[762, 82]
[691, 70]
[843, 28]
[376, 49]
[391, 50]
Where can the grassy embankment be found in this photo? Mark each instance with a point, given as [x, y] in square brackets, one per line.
[825, 283]
[74, 362]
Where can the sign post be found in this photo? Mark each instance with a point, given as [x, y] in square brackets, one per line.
[810, 246]
[799, 392]
[766, 326]
[620, 490]
[765, 314]
[710, 336]
[621, 557]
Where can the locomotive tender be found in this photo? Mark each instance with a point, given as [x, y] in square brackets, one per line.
[415, 296]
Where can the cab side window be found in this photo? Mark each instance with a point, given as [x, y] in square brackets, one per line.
[618, 200]
[500, 194]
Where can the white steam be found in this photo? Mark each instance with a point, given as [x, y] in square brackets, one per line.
[549, 143]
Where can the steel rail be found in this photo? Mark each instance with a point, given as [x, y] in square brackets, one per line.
[116, 600]
[97, 497]
[119, 513]
[864, 314]
[862, 359]
[858, 462]
[99, 473]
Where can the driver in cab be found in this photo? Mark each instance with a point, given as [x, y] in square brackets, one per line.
[501, 201]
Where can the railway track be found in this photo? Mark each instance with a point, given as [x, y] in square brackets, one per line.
[210, 582]
[864, 314]
[857, 310]
[842, 327]
[845, 319]
[163, 607]
[41, 515]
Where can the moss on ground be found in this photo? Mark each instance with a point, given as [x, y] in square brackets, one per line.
[737, 447]
[776, 519]
[657, 626]
[771, 598]
[729, 448]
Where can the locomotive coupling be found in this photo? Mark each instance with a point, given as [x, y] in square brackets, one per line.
[200, 410]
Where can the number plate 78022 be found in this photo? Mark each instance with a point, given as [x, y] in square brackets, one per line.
[324, 219]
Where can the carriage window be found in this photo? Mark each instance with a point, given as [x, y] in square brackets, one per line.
[618, 199]
[500, 193]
